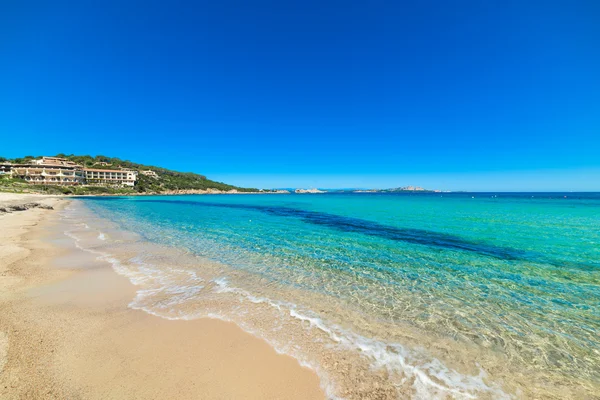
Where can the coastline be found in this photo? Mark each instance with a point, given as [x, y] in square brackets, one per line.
[110, 274]
[19, 195]
[67, 331]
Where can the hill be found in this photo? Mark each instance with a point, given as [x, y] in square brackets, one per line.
[160, 180]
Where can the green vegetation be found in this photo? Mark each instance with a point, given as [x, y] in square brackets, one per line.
[167, 180]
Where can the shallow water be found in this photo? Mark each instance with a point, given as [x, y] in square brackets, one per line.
[384, 295]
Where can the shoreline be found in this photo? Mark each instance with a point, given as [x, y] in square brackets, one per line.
[168, 193]
[356, 356]
[349, 364]
[121, 294]
[67, 330]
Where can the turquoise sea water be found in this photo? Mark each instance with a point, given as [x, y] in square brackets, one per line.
[386, 295]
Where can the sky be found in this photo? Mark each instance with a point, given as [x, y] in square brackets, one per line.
[453, 95]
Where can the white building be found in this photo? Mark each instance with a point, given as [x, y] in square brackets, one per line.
[110, 177]
[150, 173]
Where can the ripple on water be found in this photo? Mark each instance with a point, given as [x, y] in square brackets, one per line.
[375, 314]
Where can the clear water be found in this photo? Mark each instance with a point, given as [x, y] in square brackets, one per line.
[384, 295]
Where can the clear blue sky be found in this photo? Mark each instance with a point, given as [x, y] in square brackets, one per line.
[460, 95]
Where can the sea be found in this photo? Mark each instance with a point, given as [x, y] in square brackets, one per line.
[383, 295]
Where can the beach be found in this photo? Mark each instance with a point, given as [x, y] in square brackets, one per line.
[340, 296]
[66, 330]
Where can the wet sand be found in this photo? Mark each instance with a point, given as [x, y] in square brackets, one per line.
[66, 331]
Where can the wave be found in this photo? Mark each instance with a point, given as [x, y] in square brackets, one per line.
[165, 291]
[394, 357]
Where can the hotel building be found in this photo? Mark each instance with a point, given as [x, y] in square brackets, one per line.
[110, 177]
[60, 171]
[50, 171]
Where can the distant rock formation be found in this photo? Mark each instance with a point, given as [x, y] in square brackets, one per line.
[399, 189]
[314, 190]
[280, 191]
[408, 189]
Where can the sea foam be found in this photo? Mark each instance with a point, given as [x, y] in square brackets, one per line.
[162, 289]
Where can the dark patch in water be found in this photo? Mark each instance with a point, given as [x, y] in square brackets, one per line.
[366, 227]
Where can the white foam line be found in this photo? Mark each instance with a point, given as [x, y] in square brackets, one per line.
[395, 362]
[455, 384]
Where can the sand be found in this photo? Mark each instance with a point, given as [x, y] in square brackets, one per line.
[66, 331]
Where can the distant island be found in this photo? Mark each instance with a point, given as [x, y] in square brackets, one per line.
[314, 190]
[400, 189]
[87, 175]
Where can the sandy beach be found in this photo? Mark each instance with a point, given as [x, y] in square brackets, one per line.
[66, 330]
